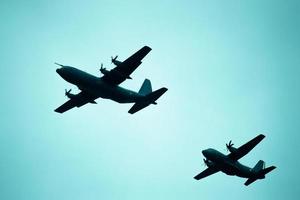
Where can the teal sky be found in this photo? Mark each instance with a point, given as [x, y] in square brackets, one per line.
[232, 69]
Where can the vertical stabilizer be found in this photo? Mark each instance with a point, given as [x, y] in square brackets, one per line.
[146, 88]
[259, 166]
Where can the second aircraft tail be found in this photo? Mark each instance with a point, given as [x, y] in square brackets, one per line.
[260, 171]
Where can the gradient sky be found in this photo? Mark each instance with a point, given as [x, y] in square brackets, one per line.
[232, 69]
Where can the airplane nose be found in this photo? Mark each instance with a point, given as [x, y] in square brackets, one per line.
[58, 71]
[204, 152]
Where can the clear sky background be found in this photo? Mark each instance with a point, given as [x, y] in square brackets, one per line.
[232, 69]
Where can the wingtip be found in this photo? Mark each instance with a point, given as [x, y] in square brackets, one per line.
[56, 110]
[147, 47]
[165, 89]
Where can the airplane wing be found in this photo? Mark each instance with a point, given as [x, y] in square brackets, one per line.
[122, 72]
[246, 148]
[77, 101]
[209, 171]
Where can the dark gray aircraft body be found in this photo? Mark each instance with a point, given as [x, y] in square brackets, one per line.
[228, 164]
[107, 87]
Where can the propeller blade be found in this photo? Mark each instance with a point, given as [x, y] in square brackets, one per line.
[113, 59]
[67, 91]
[229, 145]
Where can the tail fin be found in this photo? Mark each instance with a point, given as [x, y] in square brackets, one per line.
[149, 99]
[146, 88]
[260, 170]
[259, 166]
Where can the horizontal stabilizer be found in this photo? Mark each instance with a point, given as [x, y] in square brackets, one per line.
[149, 99]
[152, 97]
[137, 107]
[268, 169]
[249, 181]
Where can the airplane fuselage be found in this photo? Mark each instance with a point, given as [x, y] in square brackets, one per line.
[97, 87]
[227, 165]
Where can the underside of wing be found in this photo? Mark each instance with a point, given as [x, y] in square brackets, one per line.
[76, 101]
[246, 148]
[125, 68]
[209, 171]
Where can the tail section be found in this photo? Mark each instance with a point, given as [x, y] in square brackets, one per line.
[260, 171]
[150, 97]
[146, 88]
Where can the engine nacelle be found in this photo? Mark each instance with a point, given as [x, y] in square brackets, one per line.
[232, 149]
[116, 62]
[70, 95]
[104, 71]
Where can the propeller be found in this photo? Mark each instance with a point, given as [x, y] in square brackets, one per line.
[113, 59]
[229, 145]
[67, 92]
[102, 68]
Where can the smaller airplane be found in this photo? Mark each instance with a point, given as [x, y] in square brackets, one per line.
[228, 164]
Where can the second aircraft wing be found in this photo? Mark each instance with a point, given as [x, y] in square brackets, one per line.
[246, 148]
[209, 171]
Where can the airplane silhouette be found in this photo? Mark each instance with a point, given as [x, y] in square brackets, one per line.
[216, 161]
[107, 86]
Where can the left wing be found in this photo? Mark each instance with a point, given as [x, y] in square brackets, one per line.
[76, 101]
[124, 69]
[209, 171]
[246, 148]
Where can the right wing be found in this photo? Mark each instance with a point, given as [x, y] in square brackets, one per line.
[125, 68]
[246, 148]
[77, 101]
[209, 171]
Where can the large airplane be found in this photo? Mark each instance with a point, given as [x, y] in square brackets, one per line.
[107, 86]
[228, 164]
